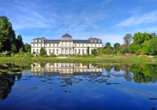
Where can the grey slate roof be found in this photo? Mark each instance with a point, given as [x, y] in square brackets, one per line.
[51, 41]
[66, 37]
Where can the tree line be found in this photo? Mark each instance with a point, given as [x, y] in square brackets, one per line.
[143, 44]
[8, 39]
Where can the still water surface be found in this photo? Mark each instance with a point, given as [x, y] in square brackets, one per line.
[76, 86]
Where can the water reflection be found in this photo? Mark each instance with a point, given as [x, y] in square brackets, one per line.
[68, 72]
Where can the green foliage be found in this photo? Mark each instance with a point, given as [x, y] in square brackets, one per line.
[13, 48]
[119, 53]
[94, 52]
[126, 49]
[7, 34]
[133, 48]
[52, 55]
[19, 43]
[152, 47]
[88, 50]
[42, 52]
[27, 47]
[139, 38]
[107, 45]
[117, 46]
[42, 65]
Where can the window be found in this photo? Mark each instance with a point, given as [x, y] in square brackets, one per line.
[92, 45]
[79, 51]
[49, 50]
[75, 51]
[75, 45]
[45, 45]
[53, 45]
[62, 44]
[39, 40]
[82, 45]
[33, 50]
[99, 40]
[33, 45]
[57, 51]
[57, 45]
[86, 45]
[53, 50]
[99, 45]
[95, 45]
[79, 45]
[49, 45]
[83, 51]
[91, 40]
[95, 40]
[35, 40]
[37, 50]
[40, 45]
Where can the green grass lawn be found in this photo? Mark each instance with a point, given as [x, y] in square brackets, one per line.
[80, 59]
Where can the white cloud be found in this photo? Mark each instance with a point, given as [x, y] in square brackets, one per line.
[140, 19]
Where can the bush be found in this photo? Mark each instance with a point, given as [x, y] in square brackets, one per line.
[142, 56]
[42, 51]
[17, 55]
[2, 55]
[12, 54]
[84, 55]
[52, 55]
[119, 53]
[7, 53]
[25, 55]
[34, 52]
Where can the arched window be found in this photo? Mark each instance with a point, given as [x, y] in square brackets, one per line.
[53, 50]
[79, 51]
[83, 51]
[49, 50]
[37, 50]
[49, 45]
[53, 45]
[75, 51]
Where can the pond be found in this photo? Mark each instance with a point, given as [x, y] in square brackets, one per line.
[78, 86]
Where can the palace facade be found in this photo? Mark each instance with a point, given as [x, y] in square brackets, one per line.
[66, 45]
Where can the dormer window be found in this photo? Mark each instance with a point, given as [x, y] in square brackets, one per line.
[35, 40]
[95, 40]
[99, 40]
[39, 40]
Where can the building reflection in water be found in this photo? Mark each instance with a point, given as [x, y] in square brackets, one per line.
[66, 71]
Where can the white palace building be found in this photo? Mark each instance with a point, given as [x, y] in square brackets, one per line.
[66, 45]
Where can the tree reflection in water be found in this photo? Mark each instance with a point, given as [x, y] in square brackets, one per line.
[7, 80]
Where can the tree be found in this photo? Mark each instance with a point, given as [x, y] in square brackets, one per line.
[19, 42]
[133, 48]
[126, 49]
[42, 51]
[127, 39]
[152, 46]
[117, 46]
[152, 35]
[13, 48]
[7, 34]
[1, 46]
[107, 45]
[88, 50]
[140, 38]
[94, 52]
[27, 47]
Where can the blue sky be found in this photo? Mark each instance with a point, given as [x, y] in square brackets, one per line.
[109, 20]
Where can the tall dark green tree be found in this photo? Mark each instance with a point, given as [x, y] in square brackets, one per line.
[19, 43]
[117, 46]
[27, 47]
[7, 34]
[108, 44]
[88, 50]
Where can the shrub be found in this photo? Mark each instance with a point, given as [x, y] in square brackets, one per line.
[142, 56]
[12, 54]
[52, 55]
[119, 53]
[84, 55]
[17, 55]
[32, 55]
[34, 52]
[25, 55]
[42, 51]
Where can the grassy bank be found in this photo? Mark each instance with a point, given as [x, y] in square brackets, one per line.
[107, 60]
[79, 59]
